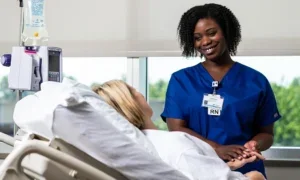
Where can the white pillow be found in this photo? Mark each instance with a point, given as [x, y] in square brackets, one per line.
[30, 115]
[34, 113]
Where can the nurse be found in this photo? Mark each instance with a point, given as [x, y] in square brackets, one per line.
[225, 103]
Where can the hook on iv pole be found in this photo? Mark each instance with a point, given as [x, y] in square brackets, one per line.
[21, 5]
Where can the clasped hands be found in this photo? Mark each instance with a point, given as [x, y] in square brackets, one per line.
[237, 155]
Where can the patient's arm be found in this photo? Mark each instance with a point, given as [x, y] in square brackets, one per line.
[197, 165]
[237, 163]
[255, 175]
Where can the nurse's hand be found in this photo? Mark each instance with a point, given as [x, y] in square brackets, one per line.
[230, 152]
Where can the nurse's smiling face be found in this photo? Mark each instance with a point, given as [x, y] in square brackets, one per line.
[209, 39]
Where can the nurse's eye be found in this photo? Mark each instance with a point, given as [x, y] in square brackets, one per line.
[212, 33]
[197, 38]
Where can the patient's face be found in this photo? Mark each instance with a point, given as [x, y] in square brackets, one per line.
[141, 100]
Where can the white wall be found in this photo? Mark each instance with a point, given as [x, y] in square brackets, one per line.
[82, 28]
[283, 172]
[148, 27]
[268, 26]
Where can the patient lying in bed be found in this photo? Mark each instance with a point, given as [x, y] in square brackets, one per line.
[190, 155]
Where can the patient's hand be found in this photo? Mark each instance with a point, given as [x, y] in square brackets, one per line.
[248, 153]
[237, 163]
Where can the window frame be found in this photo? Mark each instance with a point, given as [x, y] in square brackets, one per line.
[137, 74]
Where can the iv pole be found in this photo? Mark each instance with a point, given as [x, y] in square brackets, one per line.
[21, 5]
[21, 43]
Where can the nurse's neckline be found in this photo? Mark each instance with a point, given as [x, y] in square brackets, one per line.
[232, 65]
[209, 64]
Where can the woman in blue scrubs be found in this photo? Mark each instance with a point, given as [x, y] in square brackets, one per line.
[227, 104]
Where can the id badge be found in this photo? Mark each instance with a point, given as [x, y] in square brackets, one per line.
[213, 101]
[214, 111]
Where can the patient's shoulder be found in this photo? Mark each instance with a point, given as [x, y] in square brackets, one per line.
[173, 140]
[169, 145]
[195, 143]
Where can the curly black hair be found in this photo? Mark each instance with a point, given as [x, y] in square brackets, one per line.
[227, 21]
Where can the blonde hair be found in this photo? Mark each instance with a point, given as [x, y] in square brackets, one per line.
[120, 96]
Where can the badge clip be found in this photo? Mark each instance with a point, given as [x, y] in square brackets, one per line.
[214, 85]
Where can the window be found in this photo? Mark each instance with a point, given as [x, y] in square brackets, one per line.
[282, 72]
[91, 71]
[284, 76]
[7, 103]
[159, 73]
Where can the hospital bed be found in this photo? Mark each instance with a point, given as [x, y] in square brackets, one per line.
[38, 158]
[68, 132]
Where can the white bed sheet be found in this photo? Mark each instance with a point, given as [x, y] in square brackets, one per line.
[191, 156]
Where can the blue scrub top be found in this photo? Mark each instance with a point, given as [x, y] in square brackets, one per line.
[249, 103]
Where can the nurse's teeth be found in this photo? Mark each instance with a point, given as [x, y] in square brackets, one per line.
[209, 50]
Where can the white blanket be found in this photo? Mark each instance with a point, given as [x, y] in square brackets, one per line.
[91, 132]
[193, 157]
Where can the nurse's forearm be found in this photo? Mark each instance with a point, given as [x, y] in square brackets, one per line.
[193, 133]
[264, 141]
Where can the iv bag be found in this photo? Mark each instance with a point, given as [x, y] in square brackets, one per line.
[34, 30]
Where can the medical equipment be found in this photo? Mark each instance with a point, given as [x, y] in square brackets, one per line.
[32, 65]
[34, 30]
